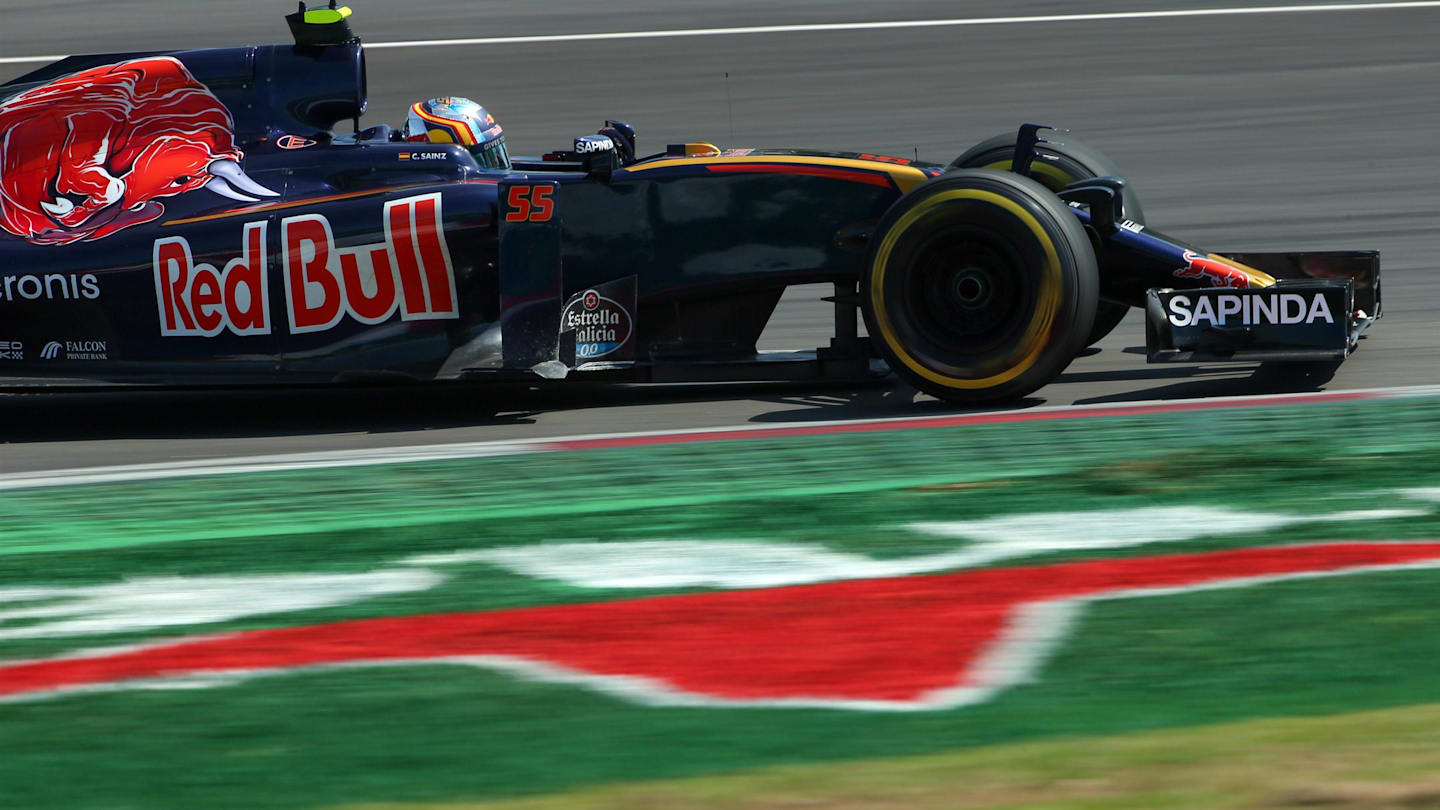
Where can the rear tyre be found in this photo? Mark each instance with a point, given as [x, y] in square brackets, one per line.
[979, 286]
[1058, 165]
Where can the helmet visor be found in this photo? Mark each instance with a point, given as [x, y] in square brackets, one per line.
[492, 154]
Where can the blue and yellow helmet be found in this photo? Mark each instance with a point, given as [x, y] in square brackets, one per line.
[459, 120]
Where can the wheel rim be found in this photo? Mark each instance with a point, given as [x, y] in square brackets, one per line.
[965, 291]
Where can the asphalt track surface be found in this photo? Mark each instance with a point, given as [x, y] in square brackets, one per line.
[1264, 131]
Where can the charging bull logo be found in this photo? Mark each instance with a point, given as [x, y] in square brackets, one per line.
[91, 154]
[1219, 272]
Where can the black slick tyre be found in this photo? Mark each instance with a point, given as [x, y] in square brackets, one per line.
[980, 286]
[1058, 165]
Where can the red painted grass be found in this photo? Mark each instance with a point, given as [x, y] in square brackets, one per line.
[879, 639]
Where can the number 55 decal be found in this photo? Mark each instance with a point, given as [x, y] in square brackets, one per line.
[530, 204]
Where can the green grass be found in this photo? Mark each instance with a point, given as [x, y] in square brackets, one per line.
[1374, 760]
[447, 733]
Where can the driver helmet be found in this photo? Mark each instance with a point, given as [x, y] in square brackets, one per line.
[452, 119]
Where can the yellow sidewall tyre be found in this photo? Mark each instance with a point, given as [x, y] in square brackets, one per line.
[1058, 165]
[980, 286]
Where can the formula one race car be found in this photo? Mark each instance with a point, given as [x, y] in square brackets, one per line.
[191, 217]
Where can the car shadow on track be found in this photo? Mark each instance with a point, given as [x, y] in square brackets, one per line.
[1180, 382]
[111, 414]
[231, 413]
[876, 402]
[74, 415]
[1266, 378]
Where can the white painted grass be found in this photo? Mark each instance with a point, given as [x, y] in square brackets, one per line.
[648, 564]
[163, 602]
[1431, 494]
[1035, 533]
[676, 563]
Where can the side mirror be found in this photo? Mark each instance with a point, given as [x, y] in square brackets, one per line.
[1102, 205]
[1104, 195]
[624, 137]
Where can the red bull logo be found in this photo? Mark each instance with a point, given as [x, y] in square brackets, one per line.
[1219, 272]
[409, 272]
[93, 153]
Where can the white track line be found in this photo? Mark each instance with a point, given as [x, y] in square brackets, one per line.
[894, 24]
[273, 463]
[869, 26]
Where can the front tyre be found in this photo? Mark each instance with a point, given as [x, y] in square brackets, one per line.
[1056, 166]
[980, 286]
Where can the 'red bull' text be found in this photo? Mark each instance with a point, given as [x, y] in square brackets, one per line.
[409, 272]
